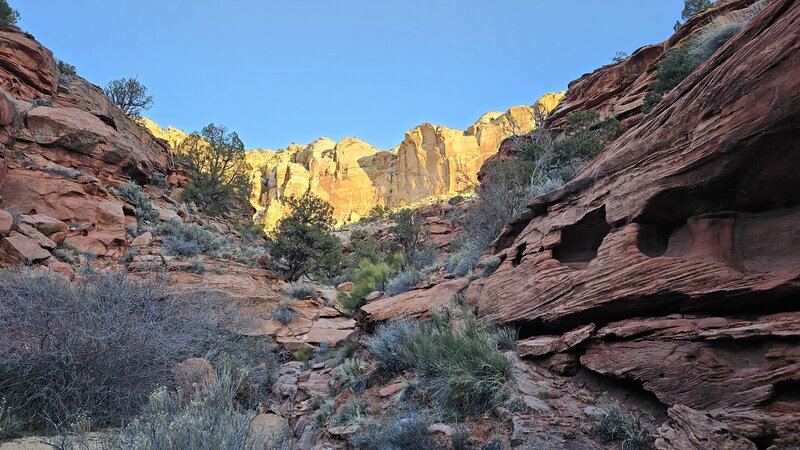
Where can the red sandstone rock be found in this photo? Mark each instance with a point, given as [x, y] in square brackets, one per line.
[544, 345]
[689, 429]
[61, 268]
[18, 248]
[44, 223]
[6, 222]
[194, 373]
[414, 303]
[40, 239]
[693, 210]
[27, 69]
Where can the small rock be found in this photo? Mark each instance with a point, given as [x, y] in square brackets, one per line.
[42, 240]
[267, 426]
[143, 240]
[19, 248]
[347, 286]
[61, 268]
[6, 222]
[392, 389]
[194, 373]
[44, 223]
[375, 295]
[345, 430]
[447, 430]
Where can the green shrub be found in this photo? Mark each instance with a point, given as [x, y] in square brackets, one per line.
[130, 253]
[8, 15]
[351, 413]
[692, 7]
[304, 354]
[403, 432]
[160, 180]
[460, 438]
[188, 239]
[353, 375]
[616, 426]
[459, 359]
[303, 290]
[219, 170]
[376, 213]
[283, 314]
[680, 62]
[403, 282]
[368, 277]
[619, 56]
[302, 243]
[209, 419]
[456, 199]
[133, 193]
[408, 231]
[66, 69]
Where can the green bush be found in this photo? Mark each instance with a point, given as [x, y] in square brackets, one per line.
[368, 277]
[616, 426]
[351, 413]
[219, 170]
[408, 232]
[188, 239]
[302, 243]
[66, 69]
[8, 15]
[210, 419]
[403, 282]
[680, 62]
[133, 193]
[403, 432]
[459, 359]
[303, 290]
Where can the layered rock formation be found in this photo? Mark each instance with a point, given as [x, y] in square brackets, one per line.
[355, 176]
[63, 144]
[680, 243]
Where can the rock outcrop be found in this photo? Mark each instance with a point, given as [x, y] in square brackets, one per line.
[354, 176]
[680, 241]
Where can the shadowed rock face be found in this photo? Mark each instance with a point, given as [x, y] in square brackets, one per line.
[685, 234]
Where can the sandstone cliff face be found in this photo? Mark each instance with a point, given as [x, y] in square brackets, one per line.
[63, 143]
[679, 243]
[355, 176]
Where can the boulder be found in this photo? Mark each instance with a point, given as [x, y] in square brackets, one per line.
[45, 224]
[194, 373]
[61, 268]
[414, 303]
[266, 427]
[18, 248]
[689, 429]
[347, 286]
[40, 239]
[143, 240]
[6, 222]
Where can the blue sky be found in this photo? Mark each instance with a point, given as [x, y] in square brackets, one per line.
[294, 70]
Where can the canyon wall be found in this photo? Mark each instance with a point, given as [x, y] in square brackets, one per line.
[354, 176]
